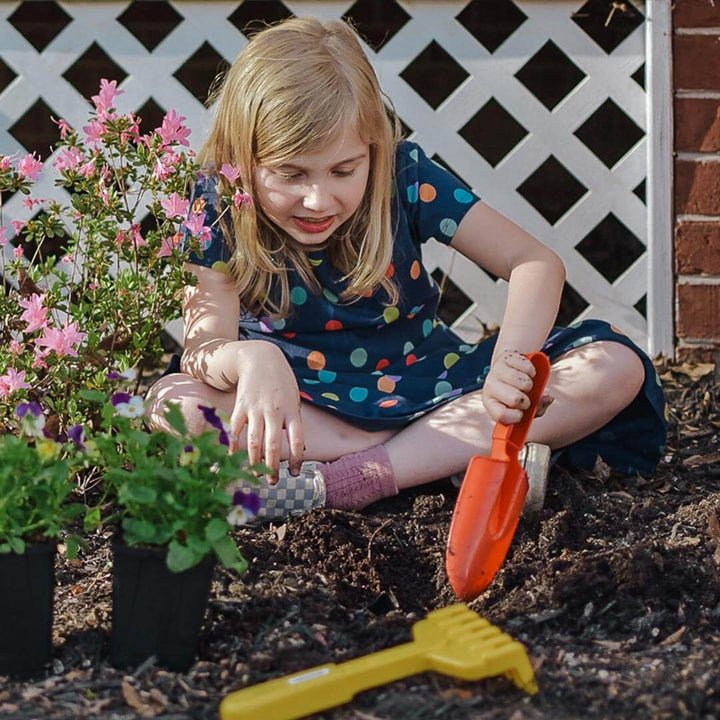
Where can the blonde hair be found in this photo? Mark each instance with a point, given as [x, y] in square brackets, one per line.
[289, 91]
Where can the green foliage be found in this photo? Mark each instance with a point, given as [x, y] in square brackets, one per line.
[171, 490]
[34, 495]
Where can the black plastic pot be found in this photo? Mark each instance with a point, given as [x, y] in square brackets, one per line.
[155, 611]
[27, 584]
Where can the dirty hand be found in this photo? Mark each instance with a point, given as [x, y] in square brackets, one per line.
[505, 393]
[267, 401]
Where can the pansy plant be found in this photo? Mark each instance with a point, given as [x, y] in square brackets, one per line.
[36, 485]
[172, 489]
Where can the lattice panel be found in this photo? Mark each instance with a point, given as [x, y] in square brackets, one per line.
[538, 105]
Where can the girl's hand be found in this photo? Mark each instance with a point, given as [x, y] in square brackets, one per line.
[505, 393]
[268, 402]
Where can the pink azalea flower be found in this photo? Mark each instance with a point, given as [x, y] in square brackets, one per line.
[120, 238]
[29, 167]
[165, 165]
[230, 172]
[30, 203]
[94, 131]
[196, 225]
[241, 199]
[88, 169]
[18, 252]
[39, 361]
[175, 206]
[35, 314]
[5, 161]
[68, 259]
[137, 239]
[64, 128]
[93, 285]
[68, 159]
[18, 226]
[168, 245]
[12, 381]
[15, 347]
[3, 238]
[61, 341]
[173, 130]
[105, 99]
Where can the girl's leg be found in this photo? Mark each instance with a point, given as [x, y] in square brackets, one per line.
[326, 436]
[590, 384]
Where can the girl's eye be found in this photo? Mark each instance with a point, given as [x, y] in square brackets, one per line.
[288, 177]
[345, 173]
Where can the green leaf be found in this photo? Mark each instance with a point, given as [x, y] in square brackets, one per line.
[138, 531]
[215, 530]
[227, 551]
[93, 395]
[180, 557]
[73, 547]
[92, 519]
[141, 495]
[174, 416]
[17, 545]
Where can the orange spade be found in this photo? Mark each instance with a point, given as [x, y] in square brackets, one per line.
[491, 500]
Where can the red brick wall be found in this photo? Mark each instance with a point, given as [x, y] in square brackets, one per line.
[696, 61]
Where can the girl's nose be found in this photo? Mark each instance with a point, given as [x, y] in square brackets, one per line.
[315, 198]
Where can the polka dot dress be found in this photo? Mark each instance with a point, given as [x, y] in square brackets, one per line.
[382, 366]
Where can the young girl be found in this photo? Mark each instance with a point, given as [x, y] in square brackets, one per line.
[313, 323]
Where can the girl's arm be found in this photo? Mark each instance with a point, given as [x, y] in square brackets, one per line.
[536, 276]
[211, 313]
[267, 399]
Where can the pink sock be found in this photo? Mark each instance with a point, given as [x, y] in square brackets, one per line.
[354, 481]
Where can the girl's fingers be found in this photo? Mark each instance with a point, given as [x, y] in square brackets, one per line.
[254, 439]
[237, 423]
[510, 396]
[545, 402]
[517, 361]
[499, 412]
[273, 444]
[296, 441]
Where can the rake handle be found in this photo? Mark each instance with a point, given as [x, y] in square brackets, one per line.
[324, 686]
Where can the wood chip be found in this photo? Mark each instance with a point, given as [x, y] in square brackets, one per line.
[674, 638]
[147, 707]
[696, 461]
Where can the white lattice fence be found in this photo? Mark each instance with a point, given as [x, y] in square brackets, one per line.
[539, 105]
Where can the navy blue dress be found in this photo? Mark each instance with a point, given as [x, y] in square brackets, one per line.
[382, 367]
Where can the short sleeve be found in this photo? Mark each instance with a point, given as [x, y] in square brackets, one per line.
[434, 200]
[215, 251]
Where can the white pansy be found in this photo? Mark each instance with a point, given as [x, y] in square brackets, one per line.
[134, 408]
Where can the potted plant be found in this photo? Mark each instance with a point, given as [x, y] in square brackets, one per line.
[176, 500]
[35, 510]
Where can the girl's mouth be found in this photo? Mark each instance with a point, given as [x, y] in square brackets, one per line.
[314, 225]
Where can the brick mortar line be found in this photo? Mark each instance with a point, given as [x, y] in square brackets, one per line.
[696, 342]
[697, 31]
[706, 280]
[709, 157]
[697, 218]
[697, 94]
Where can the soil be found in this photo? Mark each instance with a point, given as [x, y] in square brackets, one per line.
[614, 589]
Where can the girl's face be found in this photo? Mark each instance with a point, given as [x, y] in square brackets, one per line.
[310, 196]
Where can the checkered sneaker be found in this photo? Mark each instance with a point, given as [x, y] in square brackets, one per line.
[291, 495]
[535, 458]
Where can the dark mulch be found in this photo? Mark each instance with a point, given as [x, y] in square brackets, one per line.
[615, 591]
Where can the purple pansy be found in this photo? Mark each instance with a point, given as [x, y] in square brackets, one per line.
[211, 416]
[32, 407]
[121, 398]
[77, 435]
[249, 501]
